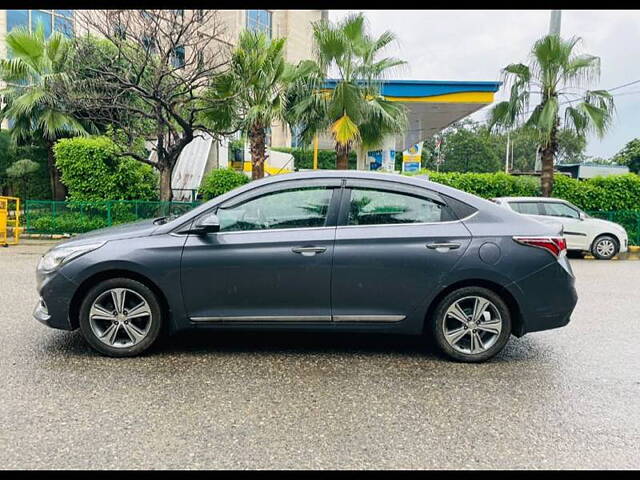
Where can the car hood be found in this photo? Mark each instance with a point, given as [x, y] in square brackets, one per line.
[605, 224]
[142, 228]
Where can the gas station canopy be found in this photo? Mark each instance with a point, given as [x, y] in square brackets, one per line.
[433, 105]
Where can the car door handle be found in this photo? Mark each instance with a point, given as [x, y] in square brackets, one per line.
[308, 251]
[443, 245]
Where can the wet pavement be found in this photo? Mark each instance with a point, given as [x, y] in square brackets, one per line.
[566, 398]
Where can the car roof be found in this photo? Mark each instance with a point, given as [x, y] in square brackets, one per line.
[416, 180]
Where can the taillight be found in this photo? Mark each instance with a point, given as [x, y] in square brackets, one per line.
[555, 245]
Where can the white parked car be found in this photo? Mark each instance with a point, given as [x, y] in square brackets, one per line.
[583, 233]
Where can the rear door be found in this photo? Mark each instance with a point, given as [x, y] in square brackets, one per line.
[394, 244]
[574, 231]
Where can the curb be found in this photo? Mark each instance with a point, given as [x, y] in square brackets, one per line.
[634, 248]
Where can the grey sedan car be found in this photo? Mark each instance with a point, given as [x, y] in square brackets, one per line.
[338, 251]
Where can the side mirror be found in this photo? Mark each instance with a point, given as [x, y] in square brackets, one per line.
[204, 225]
[582, 216]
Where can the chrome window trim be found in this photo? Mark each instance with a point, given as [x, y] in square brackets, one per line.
[274, 230]
[410, 224]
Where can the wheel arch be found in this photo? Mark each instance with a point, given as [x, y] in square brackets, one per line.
[90, 282]
[605, 234]
[503, 293]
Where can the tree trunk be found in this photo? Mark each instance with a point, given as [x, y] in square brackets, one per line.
[548, 158]
[257, 138]
[342, 157]
[165, 184]
[546, 177]
[58, 190]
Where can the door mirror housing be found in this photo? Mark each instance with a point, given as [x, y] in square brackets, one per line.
[582, 216]
[207, 224]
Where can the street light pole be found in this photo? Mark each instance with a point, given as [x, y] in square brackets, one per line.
[554, 23]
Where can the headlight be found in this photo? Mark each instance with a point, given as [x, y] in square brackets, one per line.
[55, 257]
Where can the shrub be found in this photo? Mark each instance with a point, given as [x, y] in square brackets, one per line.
[67, 223]
[303, 158]
[92, 171]
[217, 182]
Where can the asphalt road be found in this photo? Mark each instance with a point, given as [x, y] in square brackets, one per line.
[568, 398]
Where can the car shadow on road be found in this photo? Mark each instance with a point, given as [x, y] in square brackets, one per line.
[205, 343]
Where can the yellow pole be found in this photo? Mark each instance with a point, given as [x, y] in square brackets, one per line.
[315, 152]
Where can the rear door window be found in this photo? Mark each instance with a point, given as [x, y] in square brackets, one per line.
[527, 208]
[555, 209]
[379, 207]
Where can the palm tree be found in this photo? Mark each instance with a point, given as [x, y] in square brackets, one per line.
[354, 111]
[558, 76]
[256, 86]
[36, 66]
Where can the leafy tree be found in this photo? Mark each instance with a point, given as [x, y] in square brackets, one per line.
[466, 148]
[36, 65]
[354, 111]
[629, 156]
[22, 171]
[255, 86]
[557, 75]
[148, 85]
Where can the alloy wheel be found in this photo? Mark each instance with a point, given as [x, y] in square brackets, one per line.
[120, 317]
[472, 325]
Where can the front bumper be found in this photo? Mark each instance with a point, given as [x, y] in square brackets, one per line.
[56, 292]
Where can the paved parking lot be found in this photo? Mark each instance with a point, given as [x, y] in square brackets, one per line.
[559, 399]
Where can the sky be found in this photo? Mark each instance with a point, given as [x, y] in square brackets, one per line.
[476, 44]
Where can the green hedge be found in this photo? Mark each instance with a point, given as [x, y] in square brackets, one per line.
[67, 223]
[217, 182]
[92, 170]
[489, 185]
[326, 158]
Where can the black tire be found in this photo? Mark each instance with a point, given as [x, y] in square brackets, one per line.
[575, 254]
[600, 242]
[155, 319]
[437, 324]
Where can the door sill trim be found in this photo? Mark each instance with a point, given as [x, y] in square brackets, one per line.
[263, 318]
[369, 318]
[302, 319]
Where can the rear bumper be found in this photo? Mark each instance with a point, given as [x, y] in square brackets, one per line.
[546, 298]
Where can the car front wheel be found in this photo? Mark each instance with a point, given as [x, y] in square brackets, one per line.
[120, 317]
[605, 247]
[471, 324]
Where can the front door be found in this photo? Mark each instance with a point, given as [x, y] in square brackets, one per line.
[270, 261]
[392, 249]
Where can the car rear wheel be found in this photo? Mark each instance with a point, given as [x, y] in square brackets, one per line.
[120, 317]
[605, 247]
[471, 324]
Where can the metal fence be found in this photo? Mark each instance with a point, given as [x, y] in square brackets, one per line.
[43, 216]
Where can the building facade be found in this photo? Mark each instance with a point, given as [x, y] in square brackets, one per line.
[295, 25]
